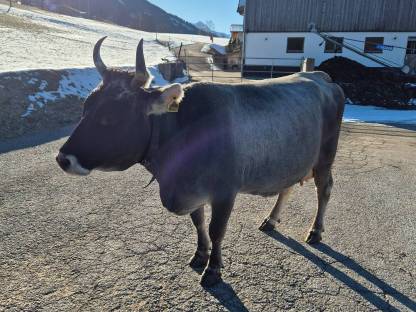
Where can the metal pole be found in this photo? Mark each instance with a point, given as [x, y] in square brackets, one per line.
[180, 50]
[241, 76]
[243, 48]
[186, 62]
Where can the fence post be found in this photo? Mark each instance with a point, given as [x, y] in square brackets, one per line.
[186, 62]
[241, 69]
[308, 65]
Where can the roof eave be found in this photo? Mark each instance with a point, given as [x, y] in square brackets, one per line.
[241, 7]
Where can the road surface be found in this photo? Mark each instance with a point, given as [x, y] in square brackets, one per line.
[103, 243]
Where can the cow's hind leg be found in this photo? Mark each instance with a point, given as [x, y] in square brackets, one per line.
[221, 210]
[323, 182]
[270, 222]
[200, 259]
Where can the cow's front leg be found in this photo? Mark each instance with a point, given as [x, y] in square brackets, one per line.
[200, 259]
[221, 210]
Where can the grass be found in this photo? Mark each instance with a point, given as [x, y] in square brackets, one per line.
[8, 20]
[16, 22]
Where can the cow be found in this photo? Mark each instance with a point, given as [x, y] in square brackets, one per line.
[204, 143]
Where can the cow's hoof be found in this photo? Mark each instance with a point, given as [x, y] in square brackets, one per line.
[314, 237]
[268, 225]
[211, 277]
[199, 260]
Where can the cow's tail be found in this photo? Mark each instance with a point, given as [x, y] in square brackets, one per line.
[340, 100]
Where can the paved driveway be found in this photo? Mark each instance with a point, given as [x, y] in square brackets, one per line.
[103, 243]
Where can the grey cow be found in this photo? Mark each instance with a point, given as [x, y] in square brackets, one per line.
[260, 138]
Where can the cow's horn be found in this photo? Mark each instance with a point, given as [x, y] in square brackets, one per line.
[140, 62]
[99, 64]
[142, 75]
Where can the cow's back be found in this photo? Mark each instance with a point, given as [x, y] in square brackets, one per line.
[279, 127]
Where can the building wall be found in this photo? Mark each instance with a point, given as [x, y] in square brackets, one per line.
[330, 15]
[274, 45]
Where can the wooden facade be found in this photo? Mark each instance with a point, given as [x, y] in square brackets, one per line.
[330, 15]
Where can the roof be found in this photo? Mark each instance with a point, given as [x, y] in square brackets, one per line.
[241, 6]
[236, 28]
[330, 15]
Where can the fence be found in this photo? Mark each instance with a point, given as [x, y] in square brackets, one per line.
[232, 67]
[222, 68]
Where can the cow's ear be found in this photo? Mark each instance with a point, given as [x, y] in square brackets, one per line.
[169, 100]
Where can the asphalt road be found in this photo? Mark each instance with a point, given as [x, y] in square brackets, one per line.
[102, 243]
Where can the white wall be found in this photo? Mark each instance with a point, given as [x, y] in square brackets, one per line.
[274, 45]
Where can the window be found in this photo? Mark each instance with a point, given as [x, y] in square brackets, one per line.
[411, 46]
[331, 47]
[295, 45]
[374, 45]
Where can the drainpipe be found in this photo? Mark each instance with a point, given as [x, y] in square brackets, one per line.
[243, 49]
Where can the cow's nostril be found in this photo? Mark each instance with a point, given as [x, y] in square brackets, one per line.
[63, 162]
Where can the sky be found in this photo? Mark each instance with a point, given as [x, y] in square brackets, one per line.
[222, 12]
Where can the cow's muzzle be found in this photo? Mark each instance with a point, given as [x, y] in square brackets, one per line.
[71, 165]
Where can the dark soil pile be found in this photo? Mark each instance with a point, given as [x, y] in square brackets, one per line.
[384, 87]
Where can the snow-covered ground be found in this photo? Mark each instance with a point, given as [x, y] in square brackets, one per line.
[35, 39]
[372, 114]
[213, 46]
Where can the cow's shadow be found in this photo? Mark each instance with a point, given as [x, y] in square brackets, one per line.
[226, 295]
[352, 265]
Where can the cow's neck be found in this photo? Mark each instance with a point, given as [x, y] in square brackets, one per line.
[164, 128]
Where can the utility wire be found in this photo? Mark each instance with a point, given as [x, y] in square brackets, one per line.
[375, 43]
[387, 62]
[381, 61]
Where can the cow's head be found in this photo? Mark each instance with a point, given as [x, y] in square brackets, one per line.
[115, 129]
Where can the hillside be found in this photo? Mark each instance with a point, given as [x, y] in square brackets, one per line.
[137, 14]
[46, 68]
[34, 39]
[204, 27]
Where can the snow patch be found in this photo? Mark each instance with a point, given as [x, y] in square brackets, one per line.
[75, 82]
[410, 85]
[33, 81]
[80, 83]
[373, 114]
[218, 48]
[159, 81]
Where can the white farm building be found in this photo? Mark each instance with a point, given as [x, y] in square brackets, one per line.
[277, 32]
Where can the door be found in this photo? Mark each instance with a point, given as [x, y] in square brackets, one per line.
[410, 59]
